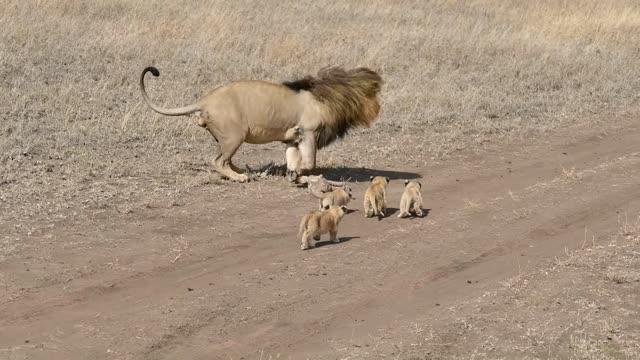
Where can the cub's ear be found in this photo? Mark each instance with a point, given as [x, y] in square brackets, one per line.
[387, 179]
[406, 182]
[343, 207]
[420, 184]
[371, 178]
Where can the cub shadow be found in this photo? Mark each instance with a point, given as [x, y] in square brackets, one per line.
[327, 242]
[425, 213]
[389, 212]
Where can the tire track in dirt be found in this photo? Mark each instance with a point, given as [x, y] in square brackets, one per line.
[264, 294]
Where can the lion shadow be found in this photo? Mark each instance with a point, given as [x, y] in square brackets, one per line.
[341, 173]
[362, 174]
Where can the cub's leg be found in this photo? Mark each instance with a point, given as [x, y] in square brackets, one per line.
[376, 207]
[404, 208]
[417, 206]
[368, 209]
[305, 240]
[308, 241]
[383, 204]
[333, 236]
[311, 241]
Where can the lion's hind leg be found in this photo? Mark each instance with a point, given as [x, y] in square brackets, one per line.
[228, 147]
[235, 168]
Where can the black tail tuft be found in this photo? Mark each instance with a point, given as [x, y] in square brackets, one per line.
[155, 72]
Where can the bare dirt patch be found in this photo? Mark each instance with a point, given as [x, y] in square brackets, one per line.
[582, 305]
[221, 277]
[117, 241]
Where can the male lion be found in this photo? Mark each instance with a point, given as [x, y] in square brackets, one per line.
[258, 112]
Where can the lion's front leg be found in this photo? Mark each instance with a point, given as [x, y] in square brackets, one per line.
[294, 160]
[308, 153]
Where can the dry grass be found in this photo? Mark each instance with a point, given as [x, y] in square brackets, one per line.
[75, 134]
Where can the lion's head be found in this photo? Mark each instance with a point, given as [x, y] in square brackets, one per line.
[350, 96]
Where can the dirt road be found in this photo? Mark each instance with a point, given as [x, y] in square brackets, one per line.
[222, 277]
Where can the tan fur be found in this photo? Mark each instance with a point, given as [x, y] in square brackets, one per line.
[258, 112]
[411, 200]
[336, 197]
[316, 223]
[375, 197]
[293, 137]
[294, 161]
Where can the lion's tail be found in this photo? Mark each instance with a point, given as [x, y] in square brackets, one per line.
[186, 110]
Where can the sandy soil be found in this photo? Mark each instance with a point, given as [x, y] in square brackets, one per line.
[221, 275]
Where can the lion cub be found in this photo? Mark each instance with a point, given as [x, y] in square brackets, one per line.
[375, 197]
[292, 138]
[411, 200]
[316, 223]
[336, 197]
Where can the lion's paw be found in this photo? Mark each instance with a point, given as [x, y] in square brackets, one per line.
[242, 178]
[292, 175]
